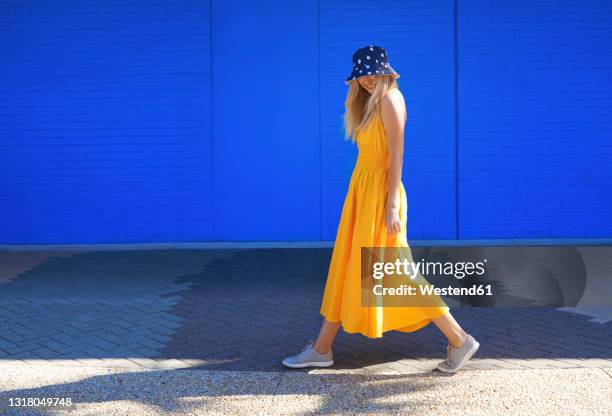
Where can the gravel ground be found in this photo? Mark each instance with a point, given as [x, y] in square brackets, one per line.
[122, 391]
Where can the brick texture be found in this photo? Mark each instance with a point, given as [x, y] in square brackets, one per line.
[107, 119]
[105, 122]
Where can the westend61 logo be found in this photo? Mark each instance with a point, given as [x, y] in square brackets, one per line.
[390, 277]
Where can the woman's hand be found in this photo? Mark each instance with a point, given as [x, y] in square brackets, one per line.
[394, 225]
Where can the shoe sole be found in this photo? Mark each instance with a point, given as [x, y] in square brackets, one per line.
[466, 358]
[310, 364]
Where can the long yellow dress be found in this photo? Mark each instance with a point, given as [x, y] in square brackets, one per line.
[363, 224]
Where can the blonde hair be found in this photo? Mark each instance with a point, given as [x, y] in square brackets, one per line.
[360, 107]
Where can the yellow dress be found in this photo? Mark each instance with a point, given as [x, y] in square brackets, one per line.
[363, 224]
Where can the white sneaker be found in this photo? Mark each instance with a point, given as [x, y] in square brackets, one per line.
[309, 358]
[456, 358]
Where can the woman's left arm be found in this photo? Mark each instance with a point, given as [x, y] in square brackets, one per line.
[392, 114]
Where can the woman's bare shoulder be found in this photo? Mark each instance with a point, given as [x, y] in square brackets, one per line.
[394, 101]
[395, 96]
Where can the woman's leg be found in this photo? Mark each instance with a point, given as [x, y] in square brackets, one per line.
[451, 329]
[326, 336]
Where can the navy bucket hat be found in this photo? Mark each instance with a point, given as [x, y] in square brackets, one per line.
[370, 60]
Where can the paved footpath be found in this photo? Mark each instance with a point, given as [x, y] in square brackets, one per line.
[194, 331]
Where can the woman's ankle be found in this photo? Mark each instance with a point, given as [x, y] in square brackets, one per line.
[321, 349]
[461, 341]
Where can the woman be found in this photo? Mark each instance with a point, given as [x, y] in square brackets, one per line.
[374, 215]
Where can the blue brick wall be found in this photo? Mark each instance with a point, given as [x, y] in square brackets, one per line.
[265, 121]
[155, 121]
[534, 99]
[105, 133]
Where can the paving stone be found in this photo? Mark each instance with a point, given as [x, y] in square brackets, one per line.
[497, 363]
[203, 305]
[589, 362]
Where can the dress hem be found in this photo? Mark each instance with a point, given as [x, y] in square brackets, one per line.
[411, 328]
